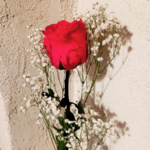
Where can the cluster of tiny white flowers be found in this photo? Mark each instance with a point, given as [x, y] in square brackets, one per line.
[34, 82]
[92, 127]
[102, 29]
[38, 54]
[36, 38]
[29, 101]
[39, 59]
[49, 109]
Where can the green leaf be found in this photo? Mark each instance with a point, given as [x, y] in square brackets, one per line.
[61, 121]
[62, 146]
[51, 93]
[57, 139]
[76, 128]
[58, 130]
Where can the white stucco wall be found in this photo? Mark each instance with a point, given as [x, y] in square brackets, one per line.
[126, 87]
[19, 131]
[125, 96]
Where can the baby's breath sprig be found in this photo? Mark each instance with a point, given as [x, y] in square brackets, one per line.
[103, 36]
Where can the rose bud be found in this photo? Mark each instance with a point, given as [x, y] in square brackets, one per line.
[66, 44]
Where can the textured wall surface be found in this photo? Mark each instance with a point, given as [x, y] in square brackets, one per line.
[19, 131]
[125, 90]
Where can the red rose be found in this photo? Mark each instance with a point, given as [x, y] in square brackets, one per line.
[66, 44]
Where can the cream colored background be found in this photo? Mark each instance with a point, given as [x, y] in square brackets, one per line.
[125, 97]
[125, 90]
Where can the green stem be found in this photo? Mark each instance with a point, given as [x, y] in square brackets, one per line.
[100, 140]
[87, 135]
[46, 75]
[82, 82]
[93, 82]
[49, 129]
[79, 75]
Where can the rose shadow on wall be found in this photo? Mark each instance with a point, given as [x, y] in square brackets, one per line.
[120, 128]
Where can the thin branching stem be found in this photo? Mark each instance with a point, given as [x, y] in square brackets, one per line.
[79, 75]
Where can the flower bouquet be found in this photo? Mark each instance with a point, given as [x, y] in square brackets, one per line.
[59, 51]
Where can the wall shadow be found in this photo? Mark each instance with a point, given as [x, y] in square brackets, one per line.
[120, 128]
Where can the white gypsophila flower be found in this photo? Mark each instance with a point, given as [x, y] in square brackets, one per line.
[27, 26]
[47, 110]
[32, 82]
[116, 35]
[107, 125]
[74, 110]
[56, 112]
[93, 26]
[102, 34]
[38, 122]
[66, 120]
[22, 109]
[24, 76]
[55, 95]
[28, 104]
[103, 26]
[54, 109]
[48, 117]
[88, 15]
[104, 42]
[99, 59]
[36, 88]
[49, 100]
[40, 115]
[44, 64]
[24, 85]
[94, 54]
[53, 118]
[27, 80]
[31, 39]
[68, 145]
[28, 75]
[109, 39]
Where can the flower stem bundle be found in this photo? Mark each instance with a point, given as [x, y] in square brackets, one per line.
[78, 47]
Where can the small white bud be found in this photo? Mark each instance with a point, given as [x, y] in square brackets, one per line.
[93, 26]
[116, 35]
[88, 15]
[99, 59]
[27, 80]
[38, 122]
[94, 54]
[28, 104]
[24, 85]
[29, 36]
[104, 43]
[48, 117]
[38, 60]
[32, 82]
[40, 115]
[31, 39]
[53, 117]
[24, 76]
